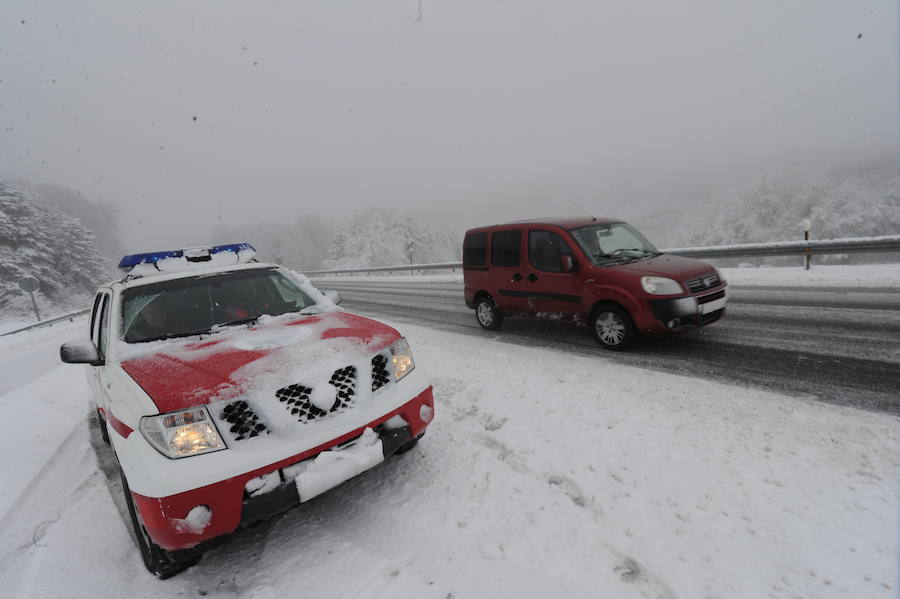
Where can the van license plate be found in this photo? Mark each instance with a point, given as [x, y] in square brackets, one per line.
[713, 305]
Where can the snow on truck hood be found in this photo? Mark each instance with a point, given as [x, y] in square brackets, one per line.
[240, 362]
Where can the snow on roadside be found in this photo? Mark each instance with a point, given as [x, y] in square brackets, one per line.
[834, 275]
[544, 473]
[862, 275]
[46, 397]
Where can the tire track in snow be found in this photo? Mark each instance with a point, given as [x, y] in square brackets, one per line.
[53, 490]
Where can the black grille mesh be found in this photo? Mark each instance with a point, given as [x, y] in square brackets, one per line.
[344, 380]
[707, 281]
[243, 420]
[380, 374]
[296, 397]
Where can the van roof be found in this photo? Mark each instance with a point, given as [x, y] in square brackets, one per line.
[565, 223]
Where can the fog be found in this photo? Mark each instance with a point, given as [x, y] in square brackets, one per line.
[188, 114]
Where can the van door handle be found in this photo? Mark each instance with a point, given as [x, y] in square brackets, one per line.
[531, 277]
[516, 278]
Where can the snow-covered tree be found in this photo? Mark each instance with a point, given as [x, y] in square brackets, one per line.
[300, 244]
[382, 238]
[39, 240]
[859, 202]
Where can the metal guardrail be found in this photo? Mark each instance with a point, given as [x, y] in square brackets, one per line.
[432, 266]
[48, 322]
[887, 243]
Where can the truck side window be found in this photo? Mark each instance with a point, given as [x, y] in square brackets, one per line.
[475, 250]
[546, 249]
[95, 311]
[506, 248]
[104, 327]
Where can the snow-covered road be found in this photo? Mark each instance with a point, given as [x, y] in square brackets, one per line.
[546, 473]
[829, 333]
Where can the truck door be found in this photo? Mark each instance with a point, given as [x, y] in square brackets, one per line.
[100, 336]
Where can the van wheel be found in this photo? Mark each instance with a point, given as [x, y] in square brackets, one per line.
[489, 317]
[612, 327]
[157, 560]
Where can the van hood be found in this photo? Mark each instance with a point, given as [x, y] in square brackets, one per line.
[666, 265]
[179, 374]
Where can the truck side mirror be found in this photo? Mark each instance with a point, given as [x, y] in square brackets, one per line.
[334, 296]
[568, 263]
[80, 352]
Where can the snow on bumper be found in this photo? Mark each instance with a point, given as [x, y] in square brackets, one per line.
[299, 478]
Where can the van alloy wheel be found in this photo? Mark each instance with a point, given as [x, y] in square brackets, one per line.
[487, 314]
[613, 327]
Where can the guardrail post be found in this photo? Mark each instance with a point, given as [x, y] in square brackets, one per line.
[807, 253]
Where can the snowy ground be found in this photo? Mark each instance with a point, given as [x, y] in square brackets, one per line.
[867, 275]
[544, 474]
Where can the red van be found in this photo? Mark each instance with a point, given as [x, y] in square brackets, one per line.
[602, 271]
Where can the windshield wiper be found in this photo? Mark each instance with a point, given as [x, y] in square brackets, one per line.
[171, 336]
[250, 320]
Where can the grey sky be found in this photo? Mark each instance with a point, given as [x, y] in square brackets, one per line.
[484, 110]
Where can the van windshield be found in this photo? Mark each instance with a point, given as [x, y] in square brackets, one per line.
[614, 243]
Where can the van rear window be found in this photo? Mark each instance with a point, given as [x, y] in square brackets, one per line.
[475, 250]
[506, 248]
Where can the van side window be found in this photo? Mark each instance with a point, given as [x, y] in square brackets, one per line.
[546, 249]
[506, 248]
[475, 250]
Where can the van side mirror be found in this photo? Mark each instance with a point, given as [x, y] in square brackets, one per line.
[568, 264]
[80, 352]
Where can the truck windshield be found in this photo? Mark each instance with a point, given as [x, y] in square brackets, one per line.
[614, 243]
[195, 305]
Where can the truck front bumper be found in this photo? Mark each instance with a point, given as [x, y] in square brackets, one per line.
[231, 503]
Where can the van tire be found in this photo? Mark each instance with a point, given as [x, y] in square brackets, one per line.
[487, 314]
[612, 327]
[163, 564]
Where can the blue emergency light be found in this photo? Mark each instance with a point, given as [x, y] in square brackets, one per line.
[198, 254]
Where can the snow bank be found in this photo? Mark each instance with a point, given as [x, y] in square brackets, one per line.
[544, 474]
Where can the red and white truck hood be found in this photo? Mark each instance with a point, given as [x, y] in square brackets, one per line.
[253, 361]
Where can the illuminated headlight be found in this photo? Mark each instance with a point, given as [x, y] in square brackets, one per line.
[182, 434]
[401, 359]
[660, 286]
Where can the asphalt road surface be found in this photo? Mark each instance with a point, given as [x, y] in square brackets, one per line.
[837, 345]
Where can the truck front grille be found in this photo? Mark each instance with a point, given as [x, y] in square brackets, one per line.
[296, 397]
[243, 420]
[380, 374]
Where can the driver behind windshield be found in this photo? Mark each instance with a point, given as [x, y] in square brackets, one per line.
[241, 299]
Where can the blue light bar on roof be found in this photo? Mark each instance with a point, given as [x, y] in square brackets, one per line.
[198, 254]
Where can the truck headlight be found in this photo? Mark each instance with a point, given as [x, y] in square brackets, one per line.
[401, 359]
[182, 434]
[660, 286]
